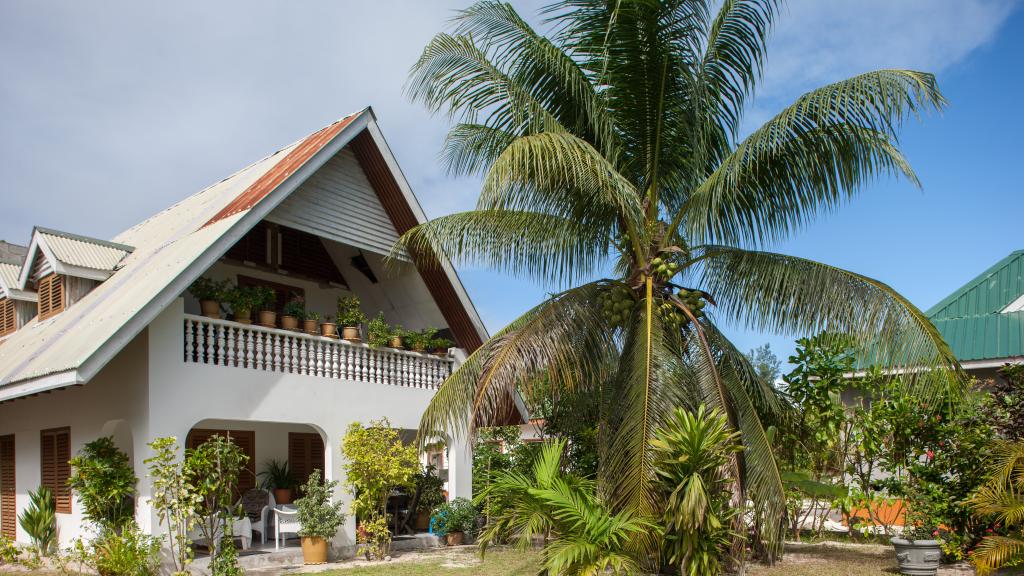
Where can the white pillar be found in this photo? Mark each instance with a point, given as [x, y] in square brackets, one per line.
[460, 468]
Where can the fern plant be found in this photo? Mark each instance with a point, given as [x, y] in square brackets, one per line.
[39, 520]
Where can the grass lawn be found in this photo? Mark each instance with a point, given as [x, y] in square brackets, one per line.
[831, 559]
[459, 562]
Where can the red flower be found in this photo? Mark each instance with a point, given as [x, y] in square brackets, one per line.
[931, 454]
[935, 533]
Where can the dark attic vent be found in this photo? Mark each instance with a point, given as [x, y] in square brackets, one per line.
[359, 263]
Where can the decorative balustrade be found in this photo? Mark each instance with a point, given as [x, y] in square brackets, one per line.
[223, 343]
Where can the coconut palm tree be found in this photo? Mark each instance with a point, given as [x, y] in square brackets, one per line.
[614, 172]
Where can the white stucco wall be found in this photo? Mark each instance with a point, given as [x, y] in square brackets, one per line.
[112, 404]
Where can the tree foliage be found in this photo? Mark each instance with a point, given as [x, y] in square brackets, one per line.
[376, 461]
[104, 481]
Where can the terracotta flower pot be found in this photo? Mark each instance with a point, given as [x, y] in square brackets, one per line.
[210, 308]
[289, 322]
[455, 538]
[283, 495]
[243, 316]
[350, 333]
[314, 550]
[396, 342]
[268, 318]
[310, 326]
[329, 329]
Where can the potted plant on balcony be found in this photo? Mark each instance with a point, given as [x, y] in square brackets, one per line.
[397, 336]
[210, 294]
[419, 341]
[378, 333]
[243, 300]
[292, 313]
[328, 328]
[440, 346]
[277, 476]
[319, 518]
[311, 323]
[350, 316]
[266, 298]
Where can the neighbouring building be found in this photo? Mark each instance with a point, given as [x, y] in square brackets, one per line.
[101, 338]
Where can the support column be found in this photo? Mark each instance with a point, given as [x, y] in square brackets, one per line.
[460, 468]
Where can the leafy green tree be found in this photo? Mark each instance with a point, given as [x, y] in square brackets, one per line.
[104, 481]
[766, 364]
[376, 461]
[691, 452]
[211, 472]
[172, 500]
[610, 142]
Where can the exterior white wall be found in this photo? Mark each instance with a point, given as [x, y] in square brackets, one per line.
[112, 404]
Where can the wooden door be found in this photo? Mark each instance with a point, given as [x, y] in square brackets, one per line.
[244, 439]
[305, 454]
[8, 513]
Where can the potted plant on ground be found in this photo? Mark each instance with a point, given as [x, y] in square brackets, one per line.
[440, 346]
[918, 549]
[277, 476]
[311, 322]
[397, 335]
[292, 313]
[319, 518]
[328, 327]
[378, 333]
[350, 317]
[243, 300]
[210, 294]
[454, 520]
[266, 298]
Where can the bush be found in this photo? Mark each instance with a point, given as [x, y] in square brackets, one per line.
[130, 553]
[8, 551]
[430, 489]
[376, 462]
[295, 308]
[374, 538]
[209, 289]
[39, 520]
[104, 481]
[248, 298]
[350, 314]
[318, 516]
[378, 332]
[459, 515]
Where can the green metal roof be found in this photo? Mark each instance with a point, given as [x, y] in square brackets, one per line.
[972, 319]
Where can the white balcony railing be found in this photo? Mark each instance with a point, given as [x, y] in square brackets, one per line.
[223, 343]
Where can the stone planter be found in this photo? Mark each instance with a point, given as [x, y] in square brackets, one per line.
[917, 557]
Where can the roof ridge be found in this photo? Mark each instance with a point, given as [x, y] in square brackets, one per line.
[973, 283]
[82, 238]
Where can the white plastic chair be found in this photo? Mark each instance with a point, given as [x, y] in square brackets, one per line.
[286, 521]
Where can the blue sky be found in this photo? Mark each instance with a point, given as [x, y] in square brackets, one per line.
[113, 110]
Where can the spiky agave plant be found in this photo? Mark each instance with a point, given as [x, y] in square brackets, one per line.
[611, 143]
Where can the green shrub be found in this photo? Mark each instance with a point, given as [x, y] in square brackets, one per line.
[104, 481]
[248, 298]
[209, 289]
[459, 515]
[128, 553]
[378, 333]
[8, 551]
[39, 520]
[374, 538]
[318, 516]
[376, 462]
[350, 314]
[430, 489]
[295, 308]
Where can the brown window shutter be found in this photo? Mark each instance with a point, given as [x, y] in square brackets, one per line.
[8, 511]
[50, 291]
[55, 456]
[305, 454]
[8, 318]
[244, 439]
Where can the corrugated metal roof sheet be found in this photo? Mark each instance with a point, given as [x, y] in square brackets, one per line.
[971, 318]
[9, 274]
[85, 252]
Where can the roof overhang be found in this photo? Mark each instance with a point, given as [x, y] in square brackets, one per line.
[991, 362]
[40, 385]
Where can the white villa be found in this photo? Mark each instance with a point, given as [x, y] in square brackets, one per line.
[101, 338]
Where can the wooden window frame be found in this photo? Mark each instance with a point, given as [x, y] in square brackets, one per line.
[50, 290]
[8, 316]
[8, 488]
[59, 459]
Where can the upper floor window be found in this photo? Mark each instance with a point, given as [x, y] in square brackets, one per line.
[51, 295]
[8, 317]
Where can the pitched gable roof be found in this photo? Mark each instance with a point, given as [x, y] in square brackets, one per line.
[980, 320]
[73, 255]
[175, 246]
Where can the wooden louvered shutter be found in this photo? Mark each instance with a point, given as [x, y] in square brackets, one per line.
[50, 291]
[55, 456]
[8, 511]
[305, 454]
[244, 439]
[8, 317]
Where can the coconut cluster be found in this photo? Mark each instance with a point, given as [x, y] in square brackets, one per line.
[616, 304]
[664, 268]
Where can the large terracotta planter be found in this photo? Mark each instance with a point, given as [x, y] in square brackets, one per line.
[243, 316]
[329, 329]
[917, 557]
[314, 550]
[289, 322]
[350, 333]
[309, 326]
[268, 318]
[455, 538]
[210, 308]
[283, 495]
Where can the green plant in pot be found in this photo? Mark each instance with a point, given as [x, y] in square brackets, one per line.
[919, 548]
[328, 327]
[378, 333]
[419, 341]
[264, 300]
[311, 323]
[210, 294]
[350, 317]
[455, 521]
[244, 300]
[319, 517]
[277, 476]
[292, 313]
[397, 337]
[440, 346]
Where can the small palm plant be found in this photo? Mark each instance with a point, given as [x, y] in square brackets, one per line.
[39, 520]
[581, 534]
[1001, 499]
[692, 454]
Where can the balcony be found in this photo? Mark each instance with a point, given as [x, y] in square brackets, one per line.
[224, 343]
